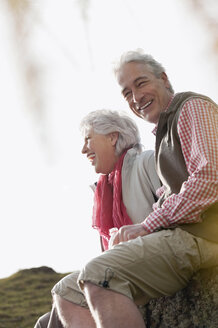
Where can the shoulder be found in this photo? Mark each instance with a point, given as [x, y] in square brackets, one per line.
[198, 107]
[197, 102]
[133, 157]
[140, 164]
[192, 101]
[146, 158]
[197, 113]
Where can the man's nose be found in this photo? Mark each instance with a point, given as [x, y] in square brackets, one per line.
[136, 96]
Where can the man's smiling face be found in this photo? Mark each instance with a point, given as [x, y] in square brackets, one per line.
[146, 94]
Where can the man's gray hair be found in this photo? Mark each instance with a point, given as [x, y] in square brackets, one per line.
[107, 121]
[138, 56]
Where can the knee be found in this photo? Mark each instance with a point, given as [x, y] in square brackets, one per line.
[60, 303]
[43, 321]
[63, 310]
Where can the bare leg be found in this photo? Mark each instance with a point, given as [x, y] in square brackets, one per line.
[43, 321]
[111, 309]
[73, 315]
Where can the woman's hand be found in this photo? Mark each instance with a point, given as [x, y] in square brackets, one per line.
[126, 233]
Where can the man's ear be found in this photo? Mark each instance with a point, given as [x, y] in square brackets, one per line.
[164, 77]
[113, 137]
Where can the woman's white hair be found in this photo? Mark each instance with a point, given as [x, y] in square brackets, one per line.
[139, 56]
[107, 121]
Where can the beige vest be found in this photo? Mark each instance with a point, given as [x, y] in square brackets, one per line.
[171, 166]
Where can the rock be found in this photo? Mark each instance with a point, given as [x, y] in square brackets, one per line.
[38, 270]
[196, 306]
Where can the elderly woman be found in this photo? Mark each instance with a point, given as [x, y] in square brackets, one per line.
[124, 195]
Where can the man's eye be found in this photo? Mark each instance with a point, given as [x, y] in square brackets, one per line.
[127, 95]
[140, 84]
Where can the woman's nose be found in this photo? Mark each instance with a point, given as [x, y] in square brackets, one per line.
[84, 148]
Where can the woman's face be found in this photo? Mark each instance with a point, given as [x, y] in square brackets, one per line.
[100, 150]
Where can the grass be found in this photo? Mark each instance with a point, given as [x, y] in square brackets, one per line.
[25, 296]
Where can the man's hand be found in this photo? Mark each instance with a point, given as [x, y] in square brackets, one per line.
[126, 233]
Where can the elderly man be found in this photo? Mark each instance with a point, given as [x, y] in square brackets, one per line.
[158, 256]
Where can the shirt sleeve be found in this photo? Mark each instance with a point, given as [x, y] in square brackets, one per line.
[197, 130]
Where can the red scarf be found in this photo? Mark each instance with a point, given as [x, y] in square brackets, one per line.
[109, 210]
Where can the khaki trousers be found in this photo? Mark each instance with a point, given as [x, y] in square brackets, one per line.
[143, 268]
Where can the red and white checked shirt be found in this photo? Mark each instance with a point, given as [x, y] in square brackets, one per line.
[198, 133]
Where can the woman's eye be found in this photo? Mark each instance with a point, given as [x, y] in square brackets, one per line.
[87, 139]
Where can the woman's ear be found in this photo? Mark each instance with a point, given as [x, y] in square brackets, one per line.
[113, 137]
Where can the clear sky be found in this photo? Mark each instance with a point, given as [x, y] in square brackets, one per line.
[46, 202]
